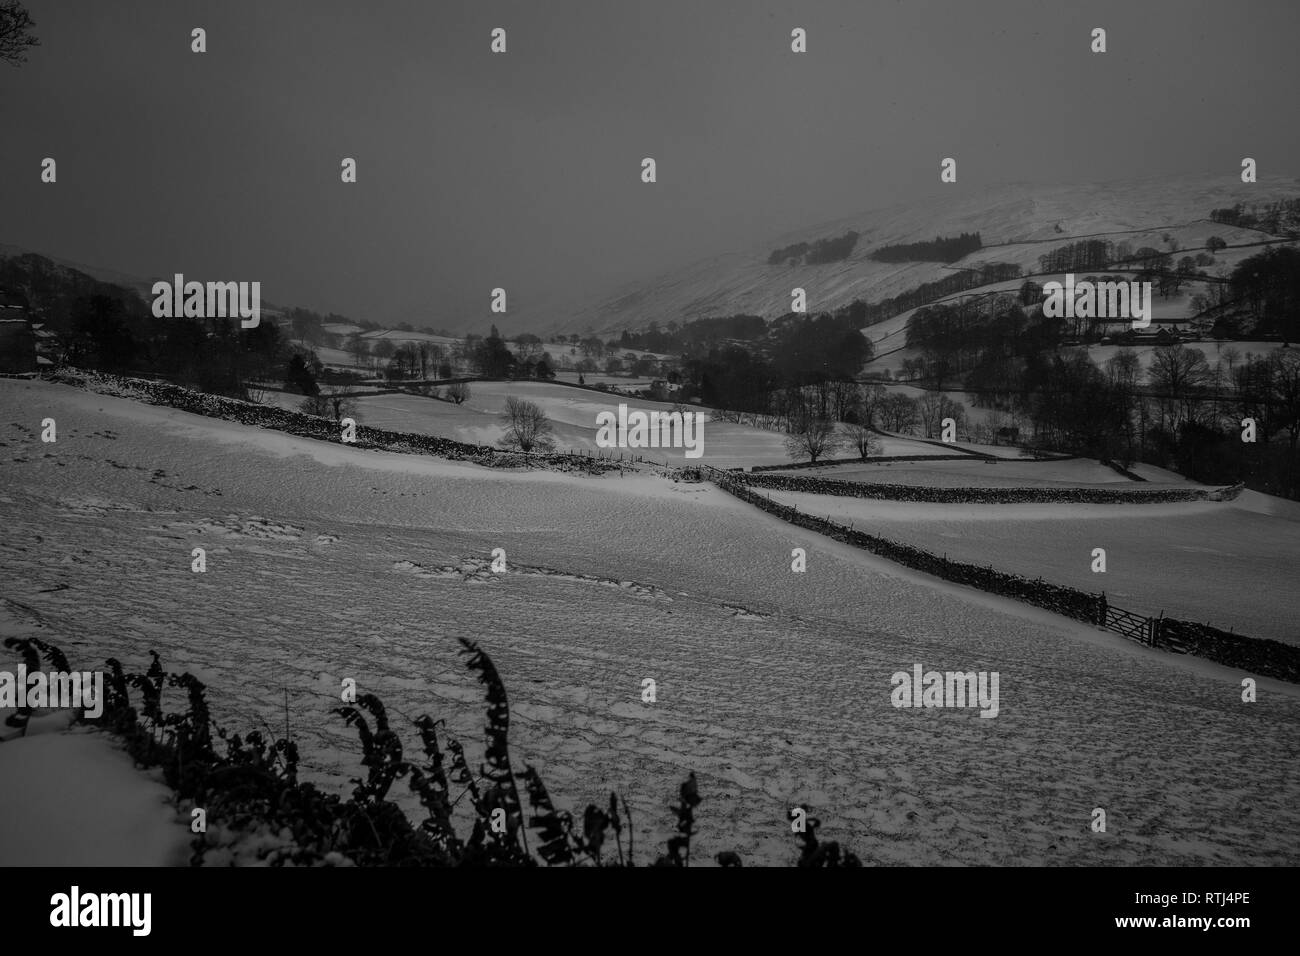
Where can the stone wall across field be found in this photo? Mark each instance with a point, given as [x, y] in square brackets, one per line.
[869, 460]
[320, 429]
[1067, 601]
[1255, 655]
[1266, 657]
[1102, 496]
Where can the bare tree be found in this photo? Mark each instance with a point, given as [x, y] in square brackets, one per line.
[1230, 356]
[15, 32]
[844, 396]
[404, 363]
[812, 437]
[341, 405]
[930, 407]
[332, 402]
[527, 427]
[1123, 374]
[358, 347]
[1286, 391]
[1180, 377]
[458, 392]
[318, 405]
[898, 413]
[863, 439]
[870, 398]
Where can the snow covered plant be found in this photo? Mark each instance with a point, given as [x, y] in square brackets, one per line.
[256, 811]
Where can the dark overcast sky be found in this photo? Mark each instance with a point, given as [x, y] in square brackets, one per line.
[523, 170]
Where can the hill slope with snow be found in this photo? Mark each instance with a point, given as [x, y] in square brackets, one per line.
[1017, 224]
[326, 562]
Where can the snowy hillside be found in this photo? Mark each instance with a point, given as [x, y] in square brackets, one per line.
[326, 562]
[574, 415]
[1017, 223]
[1197, 560]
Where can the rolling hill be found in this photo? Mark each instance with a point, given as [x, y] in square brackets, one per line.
[1018, 223]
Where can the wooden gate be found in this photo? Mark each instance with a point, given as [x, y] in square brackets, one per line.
[1133, 626]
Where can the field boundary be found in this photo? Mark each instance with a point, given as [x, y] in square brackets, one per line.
[318, 428]
[969, 495]
[1262, 656]
[1257, 655]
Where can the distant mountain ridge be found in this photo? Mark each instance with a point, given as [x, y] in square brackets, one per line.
[1016, 222]
[1012, 220]
[61, 278]
[110, 276]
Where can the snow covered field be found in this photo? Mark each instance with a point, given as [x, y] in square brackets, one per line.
[1018, 223]
[979, 473]
[573, 413]
[47, 818]
[1224, 563]
[327, 562]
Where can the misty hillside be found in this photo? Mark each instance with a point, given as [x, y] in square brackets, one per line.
[1017, 223]
[50, 285]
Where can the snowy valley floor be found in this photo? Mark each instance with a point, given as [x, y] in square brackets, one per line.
[326, 562]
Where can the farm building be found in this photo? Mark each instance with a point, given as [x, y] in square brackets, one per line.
[17, 338]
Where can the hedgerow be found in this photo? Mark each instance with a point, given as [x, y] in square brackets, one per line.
[255, 805]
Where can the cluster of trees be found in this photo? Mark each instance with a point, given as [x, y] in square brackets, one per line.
[1267, 286]
[492, 358]
[975, 337]
[1078, 256]
[1281, 218]
[1183, 413]
[792, 254]
[939, 249]
[820, 252]
[331, 402]
[823, 419]
[404, 361]
[117, 333]
[696, 336]
[1155, 264]
[824, 251]
[979, 335]
[799, 350]
[813, 348]
[927, 292]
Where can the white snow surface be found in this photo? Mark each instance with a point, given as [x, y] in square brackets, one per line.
[1017, 223]
[77, 799]
[326, 562]
[1223, 563]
